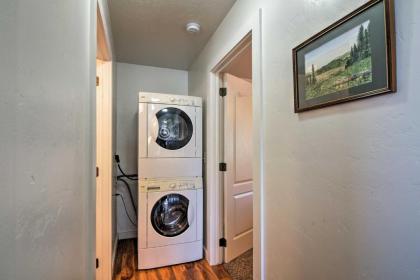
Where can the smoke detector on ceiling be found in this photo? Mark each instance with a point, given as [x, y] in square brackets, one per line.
[193, 27]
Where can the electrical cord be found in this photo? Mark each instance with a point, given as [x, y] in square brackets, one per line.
[125, 208]
[133, 177]
[129, 192]
[130, 177]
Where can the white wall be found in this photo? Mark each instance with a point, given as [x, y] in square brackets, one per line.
[8, 102]
[131, 79]
[47, 215]
[342, 184]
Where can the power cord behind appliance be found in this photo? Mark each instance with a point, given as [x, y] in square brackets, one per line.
[125, 208]
[129, 192]
[132, 177]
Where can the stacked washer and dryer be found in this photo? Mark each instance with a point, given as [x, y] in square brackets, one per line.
[170, 220]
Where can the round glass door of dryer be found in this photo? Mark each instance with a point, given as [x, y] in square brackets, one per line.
[175, 128]
[169, 215]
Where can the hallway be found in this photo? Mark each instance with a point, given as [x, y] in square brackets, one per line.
[125, 146]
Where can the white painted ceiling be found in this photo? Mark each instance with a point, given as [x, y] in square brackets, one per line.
[152, 32]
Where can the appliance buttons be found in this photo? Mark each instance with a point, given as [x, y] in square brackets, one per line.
[153, 187]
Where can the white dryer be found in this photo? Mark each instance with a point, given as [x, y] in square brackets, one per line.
[170, 135]
[170, 222]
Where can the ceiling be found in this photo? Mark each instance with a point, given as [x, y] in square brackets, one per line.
[241, 66]
[152, 32]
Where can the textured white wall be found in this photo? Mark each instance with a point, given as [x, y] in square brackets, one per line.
[131, 79]
[342, 184]
[8, 102]
[46, 125]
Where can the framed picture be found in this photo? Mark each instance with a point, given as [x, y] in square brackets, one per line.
[351, 59]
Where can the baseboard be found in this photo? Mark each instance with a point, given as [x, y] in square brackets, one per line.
[114, 252]
[206, 253]
[127, 235]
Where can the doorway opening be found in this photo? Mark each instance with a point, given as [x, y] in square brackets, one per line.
[235, 236]
[236, 153]
[224, 193]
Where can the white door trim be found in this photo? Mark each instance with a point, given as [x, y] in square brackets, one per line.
[214, 253]
[104, 150]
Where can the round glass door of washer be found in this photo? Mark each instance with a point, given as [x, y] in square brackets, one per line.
[175, 128]
[169, 215]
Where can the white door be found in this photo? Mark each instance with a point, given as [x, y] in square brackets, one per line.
[171, 131]
[238, 157]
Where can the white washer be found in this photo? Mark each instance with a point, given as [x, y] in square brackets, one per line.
[170, 222]
[170, 135]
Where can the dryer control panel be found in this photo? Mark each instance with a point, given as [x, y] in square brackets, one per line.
[168, 184]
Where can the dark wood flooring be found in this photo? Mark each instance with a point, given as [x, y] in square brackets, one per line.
[126, 267]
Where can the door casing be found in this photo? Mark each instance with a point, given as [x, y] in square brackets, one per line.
[104, 152]
[214, 222]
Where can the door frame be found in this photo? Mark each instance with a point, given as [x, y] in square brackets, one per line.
[215, 220]
[104, 149]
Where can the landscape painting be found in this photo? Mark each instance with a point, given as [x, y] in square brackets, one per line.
[351, 59]
[340, 64]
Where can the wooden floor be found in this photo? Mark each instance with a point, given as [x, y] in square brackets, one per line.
[126, 268]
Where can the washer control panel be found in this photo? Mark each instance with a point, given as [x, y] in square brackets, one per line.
[158, 98]
[159, 185]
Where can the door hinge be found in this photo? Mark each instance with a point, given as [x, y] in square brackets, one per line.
[97, 81]
[97, 171]
[97, 263]
[222, 166]
[222, 242]
[223, 91]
